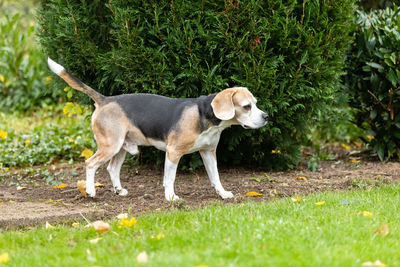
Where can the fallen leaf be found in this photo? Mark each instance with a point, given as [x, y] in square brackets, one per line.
[347, 147]
[94, 241]
[375, 263]
[298, 199]
[142, 257]
[354, 160]
[320, 203]
[4, 257]
[122, 215]
[301, 178]
[101, 226]
[383, 230]
[60, 186]
[97, 184]
[21, 188]
[48, 225]
[87, 153]
[366, 213]
[81, 184]
[253, 194]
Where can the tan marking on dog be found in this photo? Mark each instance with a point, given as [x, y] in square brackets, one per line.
[185, 134]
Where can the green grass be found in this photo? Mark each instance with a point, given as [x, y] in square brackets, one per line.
[279, 233]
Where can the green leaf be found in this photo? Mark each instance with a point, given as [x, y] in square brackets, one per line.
[375, 65]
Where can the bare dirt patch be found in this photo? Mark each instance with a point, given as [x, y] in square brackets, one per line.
[40, 202]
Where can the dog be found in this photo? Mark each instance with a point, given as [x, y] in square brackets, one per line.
[177, 126]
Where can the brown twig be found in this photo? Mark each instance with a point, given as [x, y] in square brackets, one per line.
[76, 27]
[109, 3]
[302, 18]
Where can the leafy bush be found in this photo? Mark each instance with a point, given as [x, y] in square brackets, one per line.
[290, 54]
[373, 81]
[56, 138]
[23, 82]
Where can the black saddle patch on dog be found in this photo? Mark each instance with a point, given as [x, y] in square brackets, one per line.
[157, 115]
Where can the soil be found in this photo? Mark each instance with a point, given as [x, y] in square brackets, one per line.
[40, 202]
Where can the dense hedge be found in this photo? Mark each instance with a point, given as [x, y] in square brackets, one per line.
[374, 79]
[290, 54]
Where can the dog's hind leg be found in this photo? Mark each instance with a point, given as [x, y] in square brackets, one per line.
[114, 168]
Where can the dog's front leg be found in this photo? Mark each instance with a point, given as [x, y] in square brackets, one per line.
[170, 167]
[210, 162]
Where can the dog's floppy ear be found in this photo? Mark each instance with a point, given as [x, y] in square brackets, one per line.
[222, 105]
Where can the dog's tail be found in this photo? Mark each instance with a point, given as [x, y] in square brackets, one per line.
[75, 82]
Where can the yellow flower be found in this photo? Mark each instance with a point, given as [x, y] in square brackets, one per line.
[48, 79]
[27, 141]
[366, 213]
[3, 134]
[1, 78]
[71, 139]
[126, 222]
[159, 236]
[298, 199]
[370, 137]
[320, 203]
[276, 151]
[87, 153]
[4, 257]
[301, 178]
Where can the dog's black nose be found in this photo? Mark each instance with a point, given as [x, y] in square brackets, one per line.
[265, 116]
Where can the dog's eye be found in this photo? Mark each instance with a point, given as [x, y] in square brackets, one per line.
[247, 107]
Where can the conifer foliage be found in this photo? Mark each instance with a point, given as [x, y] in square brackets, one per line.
[290, 54]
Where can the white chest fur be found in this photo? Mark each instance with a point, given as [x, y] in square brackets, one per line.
[208, 140]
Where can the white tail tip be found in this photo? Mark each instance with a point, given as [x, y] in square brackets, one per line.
[54, 66]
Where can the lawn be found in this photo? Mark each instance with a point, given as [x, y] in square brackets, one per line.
[346, 229]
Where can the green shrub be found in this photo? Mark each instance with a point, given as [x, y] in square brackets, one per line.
[373, 81]
[23, 83]
[288, 54]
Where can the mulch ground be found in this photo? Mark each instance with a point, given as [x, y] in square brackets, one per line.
[40, 202]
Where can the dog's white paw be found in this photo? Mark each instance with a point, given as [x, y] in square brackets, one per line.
[225, 194]
[121, 192]
[171, 197]
[91, 191]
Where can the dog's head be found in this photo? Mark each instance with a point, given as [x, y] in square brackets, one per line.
[239, 105]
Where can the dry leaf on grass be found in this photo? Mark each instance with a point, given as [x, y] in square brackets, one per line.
[101, 226]
[375, 263]
[21, 188]
[142, 257]
[366, 213]
[301, 178]
[383, 230]
[48, 225]
[298, 199]
[253, 194]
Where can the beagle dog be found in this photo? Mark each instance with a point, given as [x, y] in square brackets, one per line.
[178, 126]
